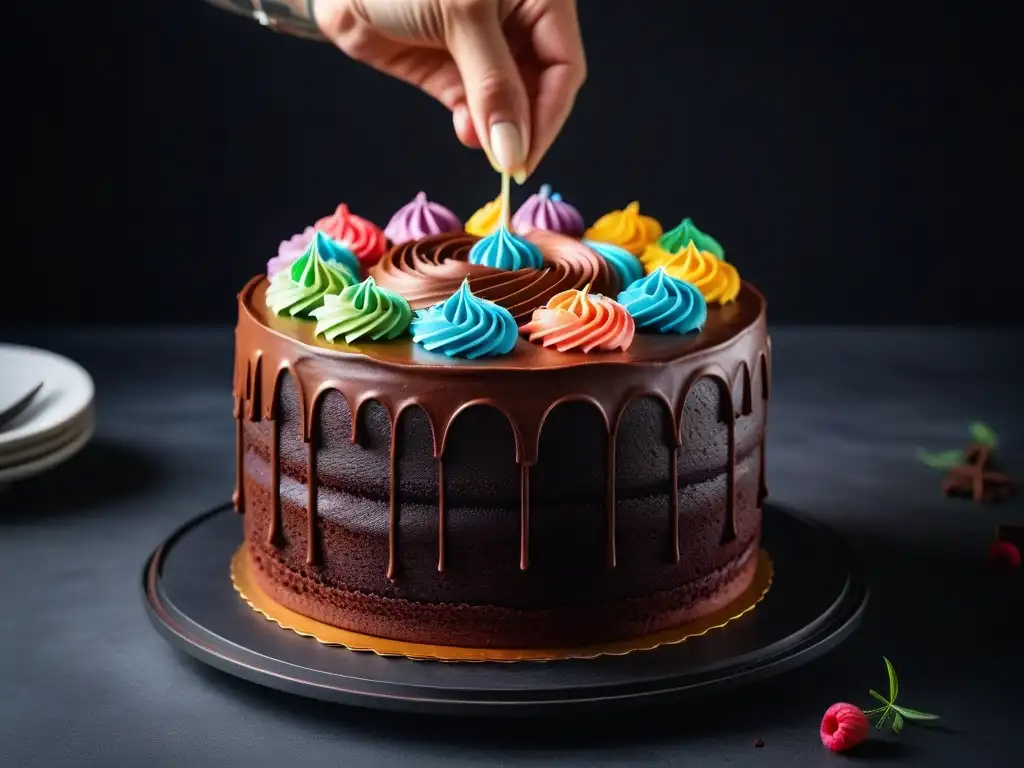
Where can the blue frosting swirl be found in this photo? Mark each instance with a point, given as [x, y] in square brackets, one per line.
[465, 326]
[627, 266]
[665, 303]
[504, 250]
[334, 252]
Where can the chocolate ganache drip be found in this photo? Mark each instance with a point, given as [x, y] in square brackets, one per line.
[430, 270]
[524, 396]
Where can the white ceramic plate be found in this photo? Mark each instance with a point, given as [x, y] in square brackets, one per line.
[38, 450]
[66, 394]
[49, 461]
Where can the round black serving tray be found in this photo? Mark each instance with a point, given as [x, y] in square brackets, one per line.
[817, 598]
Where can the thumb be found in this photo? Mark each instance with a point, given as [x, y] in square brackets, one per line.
[495, 94]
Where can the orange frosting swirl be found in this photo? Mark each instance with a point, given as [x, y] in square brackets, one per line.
[576, 320]
[430, 270]
[716, 280]
[627, 229]
[361, 236]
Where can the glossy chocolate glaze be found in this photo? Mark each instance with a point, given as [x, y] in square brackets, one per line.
[594, 497]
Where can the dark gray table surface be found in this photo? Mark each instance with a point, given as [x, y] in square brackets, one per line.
[87, 682]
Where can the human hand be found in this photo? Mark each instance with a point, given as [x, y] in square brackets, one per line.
[508, 70]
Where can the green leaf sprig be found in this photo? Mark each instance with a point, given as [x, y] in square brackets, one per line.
[983, 434]
[980, 433]
[942, 459]
[890, 713]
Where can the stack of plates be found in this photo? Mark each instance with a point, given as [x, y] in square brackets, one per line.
[56, 424]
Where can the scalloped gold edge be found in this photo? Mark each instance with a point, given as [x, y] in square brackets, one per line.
[259, 601]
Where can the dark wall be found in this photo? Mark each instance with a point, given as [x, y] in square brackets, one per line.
[853, 160]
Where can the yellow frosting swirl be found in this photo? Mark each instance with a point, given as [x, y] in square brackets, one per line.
[486, 220]
[716, 280]
[627, 229]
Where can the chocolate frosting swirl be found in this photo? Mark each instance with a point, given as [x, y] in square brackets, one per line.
[430, 270]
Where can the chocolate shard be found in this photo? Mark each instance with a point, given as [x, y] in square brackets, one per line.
[976, 478]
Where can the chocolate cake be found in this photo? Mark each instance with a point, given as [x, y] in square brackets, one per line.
[595, 474]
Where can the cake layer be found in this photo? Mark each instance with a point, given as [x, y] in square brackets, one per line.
[484, 625]
[481, 547]
[480, 450]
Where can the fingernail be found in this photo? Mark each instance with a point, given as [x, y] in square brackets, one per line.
[519, 177]
[491, 160]
[507, 146]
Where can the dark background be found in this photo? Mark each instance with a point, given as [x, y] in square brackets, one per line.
[853, 159]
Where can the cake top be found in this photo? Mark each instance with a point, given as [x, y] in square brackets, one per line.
[724, 324]
[536, 288]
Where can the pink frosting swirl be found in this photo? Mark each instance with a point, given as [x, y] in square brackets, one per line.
[420, 218]
[290, 250]
[547, 211]
[361, 236]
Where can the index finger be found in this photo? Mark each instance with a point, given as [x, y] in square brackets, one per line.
[558, 46]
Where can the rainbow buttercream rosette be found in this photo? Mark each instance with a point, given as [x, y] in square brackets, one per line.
[486, 219]
[547, 210]
[717, 280]
[301, 288]
[330, 250]
[505, 250]
[624, 264]
[685, 232]
[465, 326]
[363, 311]
[361, 236]
[420, 218]
[627, 229]
[578, 320]
[333, 252]
[289, 250]
[662, 303]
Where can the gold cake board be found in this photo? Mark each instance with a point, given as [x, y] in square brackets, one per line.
[258, 600]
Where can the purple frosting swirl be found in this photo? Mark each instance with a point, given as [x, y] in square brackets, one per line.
[290, 250]
[547, 211]
[420, 218]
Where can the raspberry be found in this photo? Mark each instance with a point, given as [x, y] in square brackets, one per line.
[1004, 555]
[843, 726]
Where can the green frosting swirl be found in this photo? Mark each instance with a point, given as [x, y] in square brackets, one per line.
[363, 311]
[680, 236]
[299, 290]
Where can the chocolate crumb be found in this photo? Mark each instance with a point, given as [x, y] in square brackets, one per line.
[758, 743]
